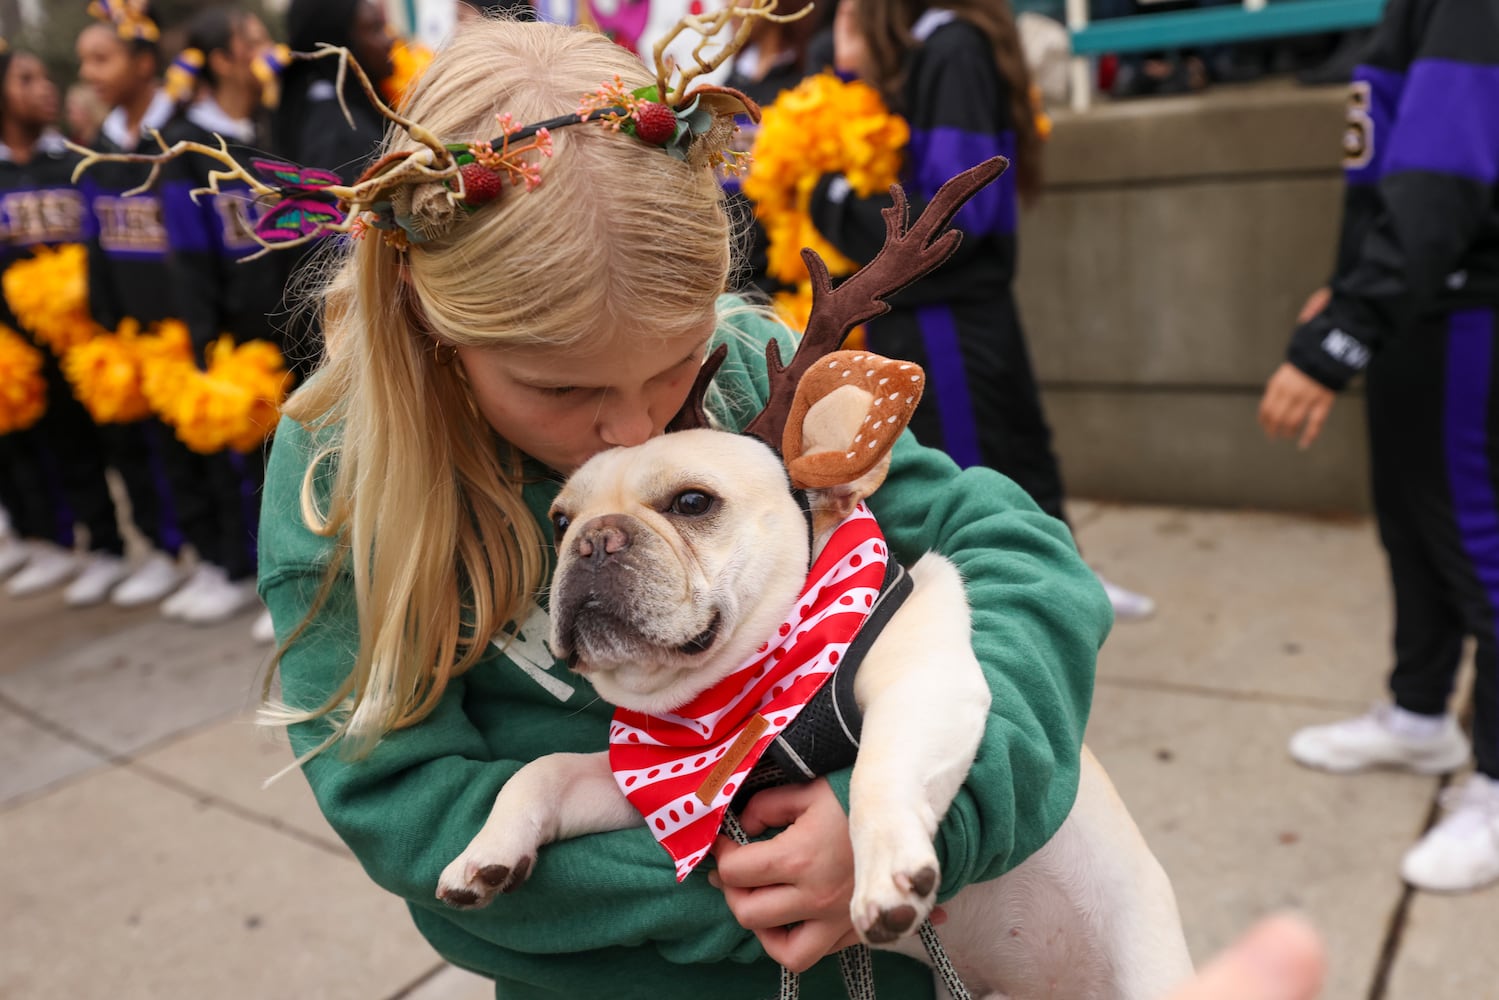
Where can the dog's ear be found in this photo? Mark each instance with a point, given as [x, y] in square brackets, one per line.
[848, 410]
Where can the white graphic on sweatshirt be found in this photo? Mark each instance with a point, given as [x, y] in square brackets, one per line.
[528, 650]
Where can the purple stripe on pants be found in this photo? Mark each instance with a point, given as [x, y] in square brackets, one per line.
[1470, 356]
[949, 385]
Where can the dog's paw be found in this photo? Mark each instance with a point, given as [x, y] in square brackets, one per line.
[895, 881]
[472, 881]
[888, 913]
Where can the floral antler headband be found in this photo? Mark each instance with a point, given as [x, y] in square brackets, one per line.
[129, 18]
[307, 203]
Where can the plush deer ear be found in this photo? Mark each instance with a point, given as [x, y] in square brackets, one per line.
[848, 410]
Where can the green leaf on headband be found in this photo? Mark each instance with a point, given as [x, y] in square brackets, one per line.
[648, 93]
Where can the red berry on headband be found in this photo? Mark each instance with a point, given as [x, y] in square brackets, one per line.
[480, 184]
[654, 123]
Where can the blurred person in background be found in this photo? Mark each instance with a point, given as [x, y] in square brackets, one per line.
[52, 473]
[308, 127]
[119, 55]
[1412, 304]
[215, 290]
[956, 73]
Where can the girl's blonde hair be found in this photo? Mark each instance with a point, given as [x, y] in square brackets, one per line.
[425, 503]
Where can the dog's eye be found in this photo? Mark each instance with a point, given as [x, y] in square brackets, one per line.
[692, 503]
[560, 523]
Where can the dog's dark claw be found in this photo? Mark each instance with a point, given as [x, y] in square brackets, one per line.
[517, 876]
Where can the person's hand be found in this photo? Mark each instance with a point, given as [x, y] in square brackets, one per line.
[1315, 303]
[848, 44]
[792, 890]
[1280, 958]
[1293, 399]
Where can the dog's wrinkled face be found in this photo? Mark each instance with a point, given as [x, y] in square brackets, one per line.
[675, 560]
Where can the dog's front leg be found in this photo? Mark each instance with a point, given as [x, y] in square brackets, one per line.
[555, 797]
[925, 703]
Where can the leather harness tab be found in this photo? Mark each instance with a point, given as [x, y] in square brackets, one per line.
[738, 750]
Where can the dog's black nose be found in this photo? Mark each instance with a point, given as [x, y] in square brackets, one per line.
[601, 538]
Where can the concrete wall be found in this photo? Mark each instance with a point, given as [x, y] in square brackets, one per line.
[1160, 277]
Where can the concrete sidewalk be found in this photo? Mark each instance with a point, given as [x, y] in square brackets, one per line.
[141, 859]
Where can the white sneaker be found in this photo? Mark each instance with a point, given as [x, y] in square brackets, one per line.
[148, 583]
[1461, 852]
[101, 571]
[48, 567]
[14, 554]
[264, 630]
[218, 599]
[1128, 605]
[176, 606]
[1388, 736]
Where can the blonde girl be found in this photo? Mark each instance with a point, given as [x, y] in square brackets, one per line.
[405, 557]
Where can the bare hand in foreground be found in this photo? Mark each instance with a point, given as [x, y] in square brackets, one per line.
[1293, 399]
[792, 890]
[1280, 958]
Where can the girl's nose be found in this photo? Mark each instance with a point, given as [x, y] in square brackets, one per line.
[624, 424]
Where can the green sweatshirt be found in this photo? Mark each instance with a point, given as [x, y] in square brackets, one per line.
[603, 915]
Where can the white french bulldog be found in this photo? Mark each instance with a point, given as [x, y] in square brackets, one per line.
[676, 560]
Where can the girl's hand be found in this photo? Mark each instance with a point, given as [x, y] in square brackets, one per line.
[1293, 398]
[792, 890]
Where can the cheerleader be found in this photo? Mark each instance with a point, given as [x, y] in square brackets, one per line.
[120, 58]
[52, 473]
[215, 290]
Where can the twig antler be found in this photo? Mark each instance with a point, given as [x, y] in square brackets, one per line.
[159, 160]
[907, 255]
[706, 26]
[434, 162]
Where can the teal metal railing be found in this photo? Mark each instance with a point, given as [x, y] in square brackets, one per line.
[1256, 19]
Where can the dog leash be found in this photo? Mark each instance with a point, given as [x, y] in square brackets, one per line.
[854, 961]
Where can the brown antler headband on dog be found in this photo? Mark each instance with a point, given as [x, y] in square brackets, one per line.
[907, 255]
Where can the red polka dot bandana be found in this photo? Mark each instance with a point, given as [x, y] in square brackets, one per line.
[681, 770]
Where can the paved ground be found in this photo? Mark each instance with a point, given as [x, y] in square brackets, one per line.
[140, 858]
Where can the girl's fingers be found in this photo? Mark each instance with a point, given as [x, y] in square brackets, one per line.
[765, 908]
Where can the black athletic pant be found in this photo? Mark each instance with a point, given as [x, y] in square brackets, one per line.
[217, 503]
[52, 474]
[981, 404]
[139, 453]
[1434, 445]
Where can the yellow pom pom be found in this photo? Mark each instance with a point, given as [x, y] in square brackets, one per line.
[48, 294]
[408, 61]
[821, 126]
[234, 404]
[23, 389]
[109, 372]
